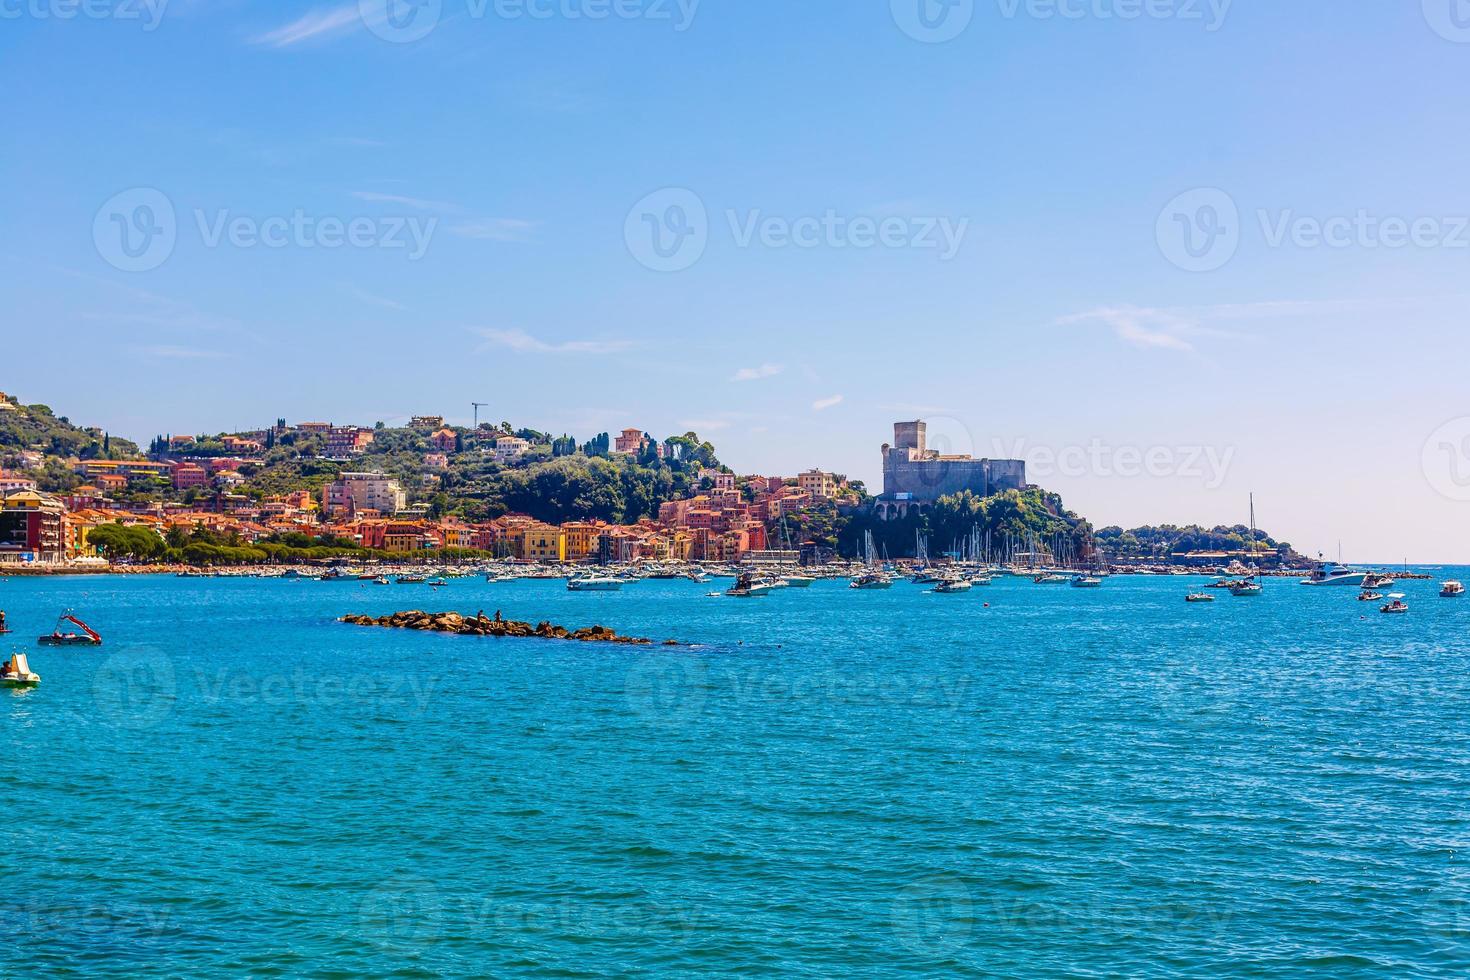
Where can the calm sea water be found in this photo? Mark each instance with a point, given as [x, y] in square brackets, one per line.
[1063, 783]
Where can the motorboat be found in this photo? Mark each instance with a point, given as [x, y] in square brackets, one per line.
[871, 580]
[981, 580]
[61, 637]
[594, 583]
[1246, 587]
[1332, 573]
[698, 575]
[1376, 581]
[1449, 590]
[412, 579]
[1051, 579]
[1086, 582]
[798, 581]
[746, 587]
[1199, 597]
[1396, 604]
[1370, 596]
[382, 580]
[16, 672]
[952, 585]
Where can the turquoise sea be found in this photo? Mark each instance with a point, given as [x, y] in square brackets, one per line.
[1063, 783]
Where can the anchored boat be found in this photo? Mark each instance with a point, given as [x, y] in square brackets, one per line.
[60, 637]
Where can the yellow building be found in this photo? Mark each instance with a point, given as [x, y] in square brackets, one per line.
[583, 540]
[818, 484]
[541, 542]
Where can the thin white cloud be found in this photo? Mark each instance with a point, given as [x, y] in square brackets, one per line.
[373, 298]
[419, 203]
[822, 404]
[1177, 328]
[704, 425]
[316, 25]
[758, 373]
[523, 343]
[494, 229]
[180, 353]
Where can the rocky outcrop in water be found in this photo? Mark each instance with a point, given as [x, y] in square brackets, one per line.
[452, 622]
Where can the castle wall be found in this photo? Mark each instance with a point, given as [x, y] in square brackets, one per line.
[928, 480]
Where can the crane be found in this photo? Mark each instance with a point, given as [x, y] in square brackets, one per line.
[478, 406]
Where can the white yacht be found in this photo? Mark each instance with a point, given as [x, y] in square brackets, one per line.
[594, 583]
[1332, 573]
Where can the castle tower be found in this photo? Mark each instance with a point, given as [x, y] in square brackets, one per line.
[909, 435]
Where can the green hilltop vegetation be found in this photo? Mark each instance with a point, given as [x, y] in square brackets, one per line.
[557, 480]
[36, 427]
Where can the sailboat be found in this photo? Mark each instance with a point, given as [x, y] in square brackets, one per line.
[1249, 586]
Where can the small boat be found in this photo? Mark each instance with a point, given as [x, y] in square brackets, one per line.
[382, 580]
[746, 587]
[16, 672]
[981, 580]
[698, 576]
[1051, 579]
[594, 583]
[871, 580]
[438, 583]
[88, 637]
[1377, 581]
[1246, 588]
[1449, 590]
[798, 581]
[1199, 597]
[1086, 582]
[412, 579]
[3, 628]
[1396, 605]
[951, 586]
[1370, 597]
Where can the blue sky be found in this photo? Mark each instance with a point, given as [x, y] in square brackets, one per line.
[1032, 178]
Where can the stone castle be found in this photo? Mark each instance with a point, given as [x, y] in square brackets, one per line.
[915, 476]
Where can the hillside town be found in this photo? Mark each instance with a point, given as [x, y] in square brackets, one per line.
[193, 486]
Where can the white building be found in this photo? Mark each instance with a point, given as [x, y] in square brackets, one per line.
[353, 492]
[508, 449]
